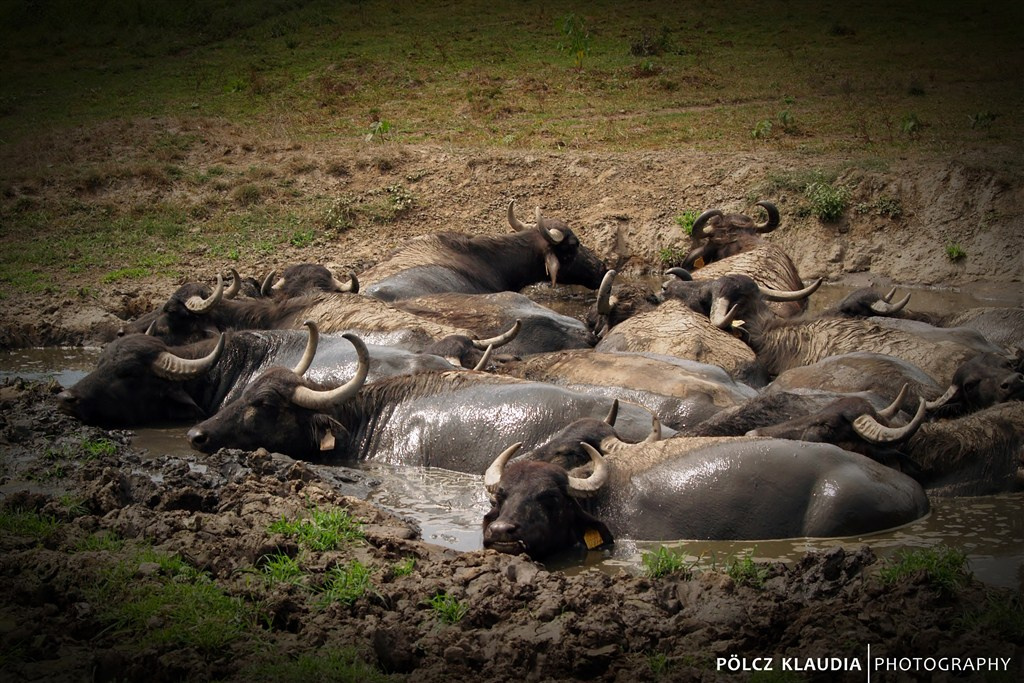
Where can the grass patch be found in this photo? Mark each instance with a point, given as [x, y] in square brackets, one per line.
[346, 583]
[27, 524]
[665, 562]
[828, 201]
[943, 567]
[344, 666]
[447, 608]
[1003, 616]
[322, 529]
[954, 252]
[105, 541]
[745, 572]
[280, 568]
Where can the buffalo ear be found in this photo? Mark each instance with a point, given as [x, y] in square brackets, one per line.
[326, 430]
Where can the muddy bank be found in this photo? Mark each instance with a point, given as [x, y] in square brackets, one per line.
[114, 517]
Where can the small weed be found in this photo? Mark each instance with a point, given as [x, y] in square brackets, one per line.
[910, 125]
[890, 207]
[301, 238]
[659, 663]
[1004, 616]
[745, 572]
[828, 202]
[686, 220]
[577, 39]
[447, 608]
[405, 567]
[954, 252]
[379, 131]
[95, 448]
[786, 120]
[983, 119]
[663, 562]
[247, 194]
[944, 567]
[280, 568]
[73, 506]
[346, 583]
[651, 45]
[672, 257]
[323, 530]
[762, 129]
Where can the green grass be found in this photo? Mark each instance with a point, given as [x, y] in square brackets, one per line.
[281, 568]
[745, 572]
[338, 666]
[447, 608]
[322, 529]
[107, 541]
[346, 583]
[28, 524]
[943, 567]
[954, 252]
[665, 562]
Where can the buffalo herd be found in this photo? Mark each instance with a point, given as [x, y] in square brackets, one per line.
[717, 407]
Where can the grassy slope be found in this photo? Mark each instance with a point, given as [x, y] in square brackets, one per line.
[869, 79]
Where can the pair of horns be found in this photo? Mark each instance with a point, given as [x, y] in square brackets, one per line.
[700, 228]
[885, 305]
[554, 236]
[172, 367]
[580, 487]
[873, 431]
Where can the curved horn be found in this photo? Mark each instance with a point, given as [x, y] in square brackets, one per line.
[501, 339]
[512, 220]
[721, 315]
[698, 225]
[795, 295]
[773, 218]
[582, 488]
[888, 297]
[481, 365]
[352, 286]
[681, 273]
[267, 286]
[236, 284]
[872, 430]
[310, 352]
[200, 306]
[613, 414]
[604, 293]
[179, 369]
[886, 308]
[322, 401]
[890, 411]
[951, 392]
[493, 474]
[151, 330]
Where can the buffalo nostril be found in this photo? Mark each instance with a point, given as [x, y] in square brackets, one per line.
[66, 399]
[197, 437]
[501, 528]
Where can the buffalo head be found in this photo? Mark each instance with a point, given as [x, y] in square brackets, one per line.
[138, 379]
[283, 412]
[535, 507]
[725, 235]
[982, 381]
[566, 261]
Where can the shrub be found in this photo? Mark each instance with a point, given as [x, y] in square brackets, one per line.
[954, 252]
[828, 202]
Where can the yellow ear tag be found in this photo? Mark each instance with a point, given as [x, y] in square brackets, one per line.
[593, 538]
[699, 263]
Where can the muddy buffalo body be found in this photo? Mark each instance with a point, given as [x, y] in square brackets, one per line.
[439, 419]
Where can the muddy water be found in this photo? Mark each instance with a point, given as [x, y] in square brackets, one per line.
[449, 506]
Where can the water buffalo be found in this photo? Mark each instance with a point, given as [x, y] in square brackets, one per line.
[717, 235]
[672, 329]
[687, 488]
[433, 419]
[680, 392]
[541, 329]
[304, 278]
[984, 380]
[455, 262]
[139, 379]
[613, 307]
[865, 303]
[976, 454]
[208, 312]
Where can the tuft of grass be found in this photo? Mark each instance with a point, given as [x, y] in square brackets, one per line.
[281, 568]
[745, 572]
[828, 201]
[686, 220]
[448, 608]
[943, 566]
[346, 583]
[405, 567]
[762, 130]
[954, 252]
[664, 562]
[343, 666]
[95, 448]
[1004, 616]
[302, 238]
[672, 256]
[322, 530]
[108, 541]
[27, 523]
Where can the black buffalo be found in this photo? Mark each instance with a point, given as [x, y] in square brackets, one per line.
[478, 264]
